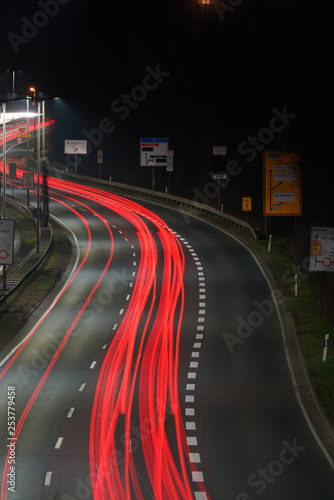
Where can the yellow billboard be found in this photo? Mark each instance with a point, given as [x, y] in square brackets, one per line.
[282, 193]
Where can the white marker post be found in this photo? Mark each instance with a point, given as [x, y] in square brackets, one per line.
[324, 356]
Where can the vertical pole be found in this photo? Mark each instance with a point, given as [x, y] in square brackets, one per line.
[4, 158]
[4, 177]
[43, 127]
[28, 191]
[38, 172]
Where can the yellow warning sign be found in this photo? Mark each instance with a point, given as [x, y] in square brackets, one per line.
[282, 183]
[316, 247]
[246, 203]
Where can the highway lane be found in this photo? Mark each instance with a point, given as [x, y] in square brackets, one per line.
[244, 429]
[76, 357]
[47, 428]
[254, 438]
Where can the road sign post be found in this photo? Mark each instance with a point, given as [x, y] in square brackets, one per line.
[282, 183]
[322, 249]
[7, 228]
[153, 153]
[75, 147]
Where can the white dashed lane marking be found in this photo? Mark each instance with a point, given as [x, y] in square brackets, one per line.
[190, 410]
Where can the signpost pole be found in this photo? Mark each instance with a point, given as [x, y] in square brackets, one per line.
[28, 192]
[4, 178]
[4, 158]
[38, 173]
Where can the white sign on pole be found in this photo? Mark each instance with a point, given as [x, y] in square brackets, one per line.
[75, 147]
[322, 249]
[28, 180]
[153, 152]
[170, 160]
[7, 227]
[219, 150]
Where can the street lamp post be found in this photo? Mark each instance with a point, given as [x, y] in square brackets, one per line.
[38, 172]
[4, 158]
[28, 135]
[4, 177]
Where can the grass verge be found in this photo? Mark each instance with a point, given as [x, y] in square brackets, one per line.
[19, 305]
[310, 323]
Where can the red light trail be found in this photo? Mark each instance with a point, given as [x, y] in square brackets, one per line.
[138, 381]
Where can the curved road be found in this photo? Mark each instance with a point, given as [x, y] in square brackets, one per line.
[158, 371]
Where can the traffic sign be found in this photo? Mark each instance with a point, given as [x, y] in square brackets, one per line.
[75, 147]
[322, 249]
[170, 160]
[282, 183]
[100, 156]
[153, 152]
[7, 228]
[28, 180]
[247, 204]
[219, 150]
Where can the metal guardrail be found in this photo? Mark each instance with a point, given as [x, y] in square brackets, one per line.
[181, 202]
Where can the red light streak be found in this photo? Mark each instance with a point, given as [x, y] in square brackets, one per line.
[138, 380]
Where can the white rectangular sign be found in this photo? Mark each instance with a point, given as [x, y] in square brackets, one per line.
[28, 180]
[219, 150]
[322, 249]
[7, 227]
[75, 147]
[153, 152]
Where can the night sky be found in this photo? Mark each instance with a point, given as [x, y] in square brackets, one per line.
[202, 76]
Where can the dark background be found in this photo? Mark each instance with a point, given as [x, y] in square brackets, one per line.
[228, 67]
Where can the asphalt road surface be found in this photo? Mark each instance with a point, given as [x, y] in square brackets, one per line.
[156, 370]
